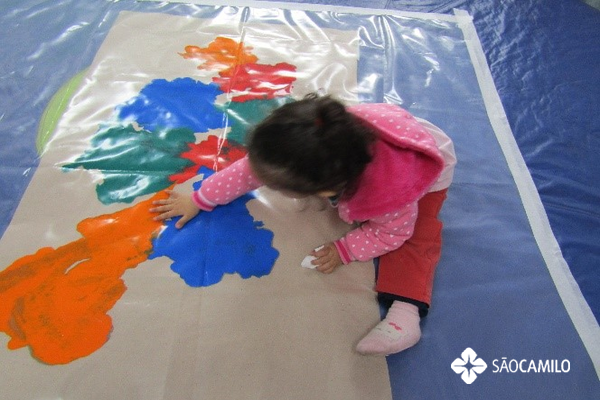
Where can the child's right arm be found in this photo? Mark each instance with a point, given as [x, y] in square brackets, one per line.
[220, 188]
[226, 185]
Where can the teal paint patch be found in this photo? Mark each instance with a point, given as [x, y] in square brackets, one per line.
[244, 115]
[134, 162]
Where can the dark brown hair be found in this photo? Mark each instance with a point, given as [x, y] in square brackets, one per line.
[310, 146]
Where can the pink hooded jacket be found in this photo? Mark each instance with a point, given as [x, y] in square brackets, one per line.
[407, 163]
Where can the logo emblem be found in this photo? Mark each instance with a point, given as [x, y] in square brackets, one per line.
[469, 366]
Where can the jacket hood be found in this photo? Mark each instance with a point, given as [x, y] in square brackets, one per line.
[406, 163]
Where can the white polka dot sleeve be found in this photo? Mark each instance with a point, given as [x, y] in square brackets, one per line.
[378, 236]
[226, 185]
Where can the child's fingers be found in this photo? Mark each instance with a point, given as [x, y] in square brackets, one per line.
[173, 196]
[326, 268]
[182, 221]
[162, 209]
[162, 217]
[321, 251]
[162, 202]
[326, 259]
[322, 262]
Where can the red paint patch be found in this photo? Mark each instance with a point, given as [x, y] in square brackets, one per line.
[257, 81]
[396, 327]
[213, 153]
[239, 72]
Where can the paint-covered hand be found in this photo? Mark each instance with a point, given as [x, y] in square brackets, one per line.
[176, 205]
[327, 258]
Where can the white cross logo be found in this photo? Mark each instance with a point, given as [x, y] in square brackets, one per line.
[468, 365]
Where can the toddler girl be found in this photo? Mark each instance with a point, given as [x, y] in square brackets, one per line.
[381, 167]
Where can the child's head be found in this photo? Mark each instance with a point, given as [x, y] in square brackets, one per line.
[310, 146]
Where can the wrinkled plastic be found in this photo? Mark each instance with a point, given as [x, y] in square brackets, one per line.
[284, 332]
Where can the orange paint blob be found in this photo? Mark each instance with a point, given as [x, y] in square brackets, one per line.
[56, 301]
[221, 53]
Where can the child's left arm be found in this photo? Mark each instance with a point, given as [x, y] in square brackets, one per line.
[378, 236]
[372, 239]
[327, 258]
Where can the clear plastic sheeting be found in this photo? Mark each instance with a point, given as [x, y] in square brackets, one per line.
[107, 104]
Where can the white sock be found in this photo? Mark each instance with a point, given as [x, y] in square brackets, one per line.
[398, 331]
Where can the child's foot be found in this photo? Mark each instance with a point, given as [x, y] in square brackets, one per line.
[398, 331]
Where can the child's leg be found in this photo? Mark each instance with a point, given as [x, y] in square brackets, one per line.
[408, 272]
[406, 277]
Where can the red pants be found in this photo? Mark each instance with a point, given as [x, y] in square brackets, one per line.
[407, 273]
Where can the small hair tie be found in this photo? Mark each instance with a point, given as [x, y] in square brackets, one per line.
[319, 122]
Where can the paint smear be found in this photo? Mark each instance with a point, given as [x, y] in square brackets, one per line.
[134, 162]
[222, 53]
[239, 72]
[140, 153]
[244, 115]
[257, 81]
[226, 240]
[213, 153]
[56, 301]
[180, 103]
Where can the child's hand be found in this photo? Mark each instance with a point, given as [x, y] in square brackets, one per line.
[327, 258]
[176, 205]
